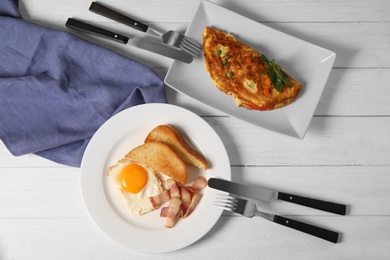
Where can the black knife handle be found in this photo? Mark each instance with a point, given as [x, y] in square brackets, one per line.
[314, 203]
[114, 15]
[307, 228]
[76, 24]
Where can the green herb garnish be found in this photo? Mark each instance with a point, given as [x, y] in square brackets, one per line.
[276, 74]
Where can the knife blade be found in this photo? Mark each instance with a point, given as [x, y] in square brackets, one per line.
[263, 194]
[137, 41]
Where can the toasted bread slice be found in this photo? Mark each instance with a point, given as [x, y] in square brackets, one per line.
[161, 158]
[170, 136]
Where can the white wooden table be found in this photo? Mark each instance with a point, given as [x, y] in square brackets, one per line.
[343, 158]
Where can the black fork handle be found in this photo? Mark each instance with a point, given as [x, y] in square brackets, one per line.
[314, 203]
[114, 15]
[77, 24]
[319, 232]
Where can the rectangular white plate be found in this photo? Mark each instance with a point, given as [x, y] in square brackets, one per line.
[307, 63]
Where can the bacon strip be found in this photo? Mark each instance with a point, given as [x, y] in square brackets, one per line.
[174, 190]
[194, 202]
[190, 189]
[173, 212]
[182, 200]
[160, 198]
[199, 184]
[169, 183]
[164, 212]
[185, 198]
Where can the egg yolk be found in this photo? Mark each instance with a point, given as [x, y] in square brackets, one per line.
[133, 178]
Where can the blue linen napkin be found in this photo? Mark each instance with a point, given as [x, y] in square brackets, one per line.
[56, 89]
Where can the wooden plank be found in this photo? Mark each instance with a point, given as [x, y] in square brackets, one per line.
[357, 45]
[369, 241]
[55, 192]
[343, 158]
[307, 11]
[364, 189]
[359, 39]
[334, 140]
[29, 160]
[356, 92]
[345, 94]
[60, 239]
[183, 11]
[48, 192]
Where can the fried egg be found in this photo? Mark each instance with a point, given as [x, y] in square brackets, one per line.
[135, 183]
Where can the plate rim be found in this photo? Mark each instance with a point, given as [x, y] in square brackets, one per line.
[110, 225]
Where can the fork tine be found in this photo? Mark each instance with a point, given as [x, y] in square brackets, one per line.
[224, 207]
[226, 199]
[225, 202]
[193, 52]
[192, 43]
[190, 47]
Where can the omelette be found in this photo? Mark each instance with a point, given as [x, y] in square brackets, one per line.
[255, 82]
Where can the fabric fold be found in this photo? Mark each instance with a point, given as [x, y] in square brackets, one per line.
[56, 89]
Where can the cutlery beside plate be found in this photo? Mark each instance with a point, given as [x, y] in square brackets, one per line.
[171, 37]
[137, 41]
[259, 193]
[248, 208]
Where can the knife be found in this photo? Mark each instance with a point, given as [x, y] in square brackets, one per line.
[137, 41]
[259, 193]
[114, 15]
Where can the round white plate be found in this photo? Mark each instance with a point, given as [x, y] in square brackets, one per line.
[113, 141]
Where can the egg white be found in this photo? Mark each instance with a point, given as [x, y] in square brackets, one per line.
[138, 203]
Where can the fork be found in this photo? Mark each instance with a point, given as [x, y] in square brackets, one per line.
[172, 38]
[249, 209]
